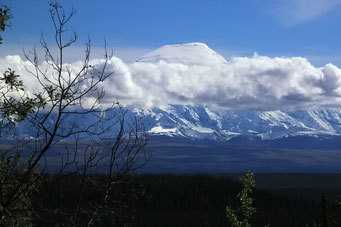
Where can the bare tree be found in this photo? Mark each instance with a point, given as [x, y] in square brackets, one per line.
[106, 142]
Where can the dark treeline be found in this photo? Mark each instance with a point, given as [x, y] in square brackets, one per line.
[175, 200]
[200, 200]
[61, 198]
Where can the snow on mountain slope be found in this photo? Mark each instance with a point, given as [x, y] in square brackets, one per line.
[196, 121]
[188, 54]
[202, 122]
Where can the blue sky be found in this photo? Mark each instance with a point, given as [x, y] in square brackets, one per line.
[310, 29]
[295, 41]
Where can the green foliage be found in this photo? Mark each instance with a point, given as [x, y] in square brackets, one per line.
[12, 80]
[15, 104]
[20, 212]
[246, 209]
[14, 107]
[4, 17]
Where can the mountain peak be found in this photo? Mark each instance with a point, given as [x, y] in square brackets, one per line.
[187, 54]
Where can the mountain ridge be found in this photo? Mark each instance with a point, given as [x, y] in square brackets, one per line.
[201, 122]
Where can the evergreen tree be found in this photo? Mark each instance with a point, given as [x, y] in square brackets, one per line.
[242, 215]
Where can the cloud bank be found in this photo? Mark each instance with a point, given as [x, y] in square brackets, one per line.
[259, 83]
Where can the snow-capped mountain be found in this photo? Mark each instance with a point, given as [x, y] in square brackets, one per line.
[187, 54]
[204, 122]
[199, 122]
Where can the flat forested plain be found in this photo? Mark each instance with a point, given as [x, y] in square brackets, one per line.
[201, 200]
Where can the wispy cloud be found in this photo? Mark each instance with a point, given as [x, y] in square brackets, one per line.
[294, 12]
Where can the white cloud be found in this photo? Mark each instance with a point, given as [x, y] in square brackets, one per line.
[293, 12]
[258, 82]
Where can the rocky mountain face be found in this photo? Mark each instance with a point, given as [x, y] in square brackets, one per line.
[200, 122]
